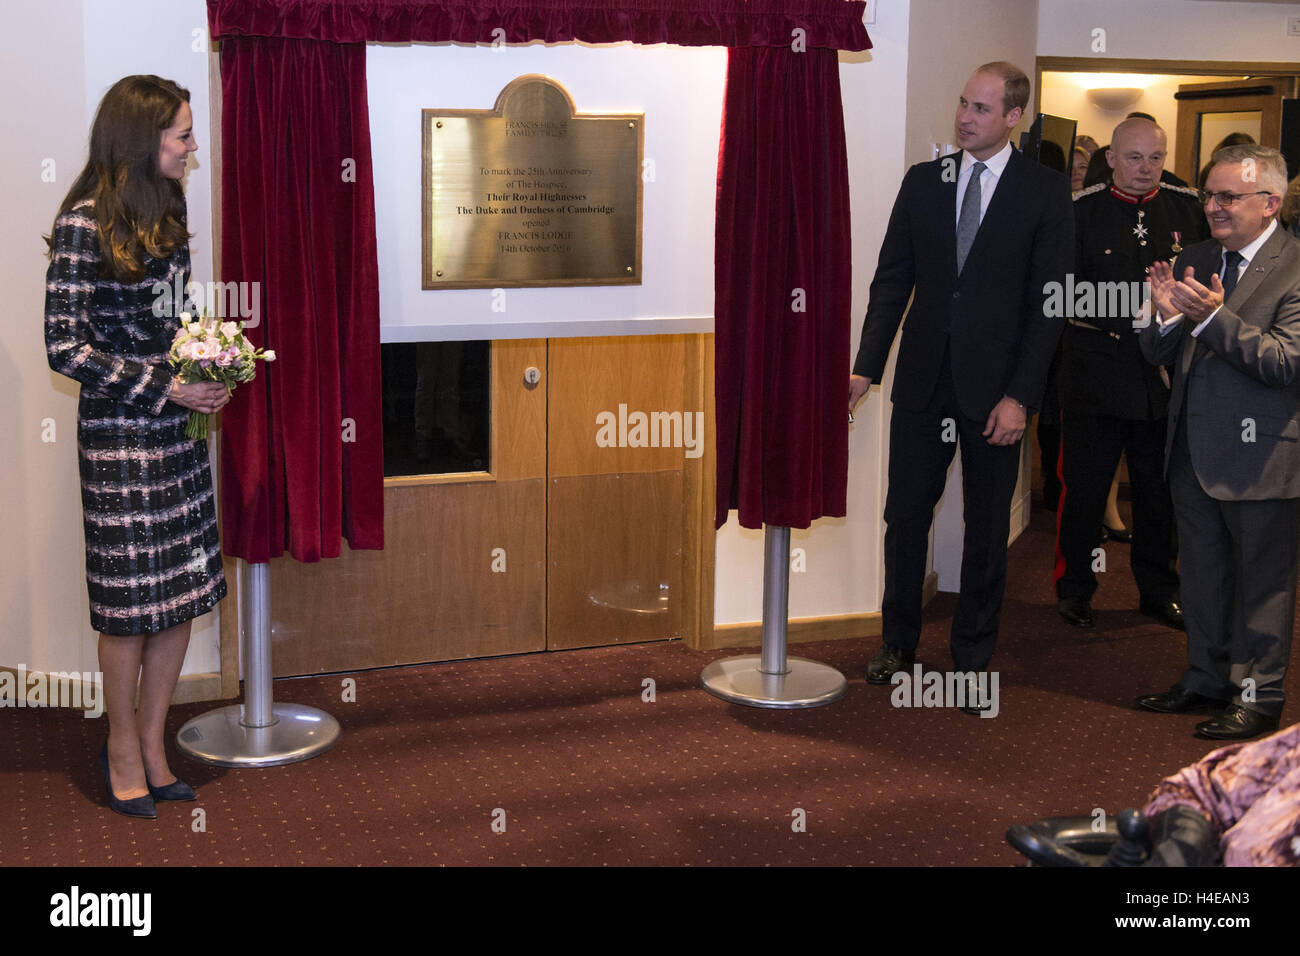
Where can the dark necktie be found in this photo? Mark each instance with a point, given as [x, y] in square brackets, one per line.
[1232, 266]
[968, 223]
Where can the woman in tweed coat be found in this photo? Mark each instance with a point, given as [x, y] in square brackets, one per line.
[153, 562]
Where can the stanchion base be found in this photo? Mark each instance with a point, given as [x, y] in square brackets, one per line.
[805, 684]
[299, 733]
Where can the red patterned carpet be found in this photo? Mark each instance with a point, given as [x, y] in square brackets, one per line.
[583, 771]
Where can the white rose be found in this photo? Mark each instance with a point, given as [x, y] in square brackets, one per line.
[269, 355]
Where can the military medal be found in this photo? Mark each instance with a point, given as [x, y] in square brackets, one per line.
[1140, 230]
[1177, 247]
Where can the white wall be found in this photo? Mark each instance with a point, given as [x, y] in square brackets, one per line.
[58, 60]
[1168, 29]
[679, 89]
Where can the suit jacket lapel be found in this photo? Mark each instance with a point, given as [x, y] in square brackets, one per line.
[1258, 269]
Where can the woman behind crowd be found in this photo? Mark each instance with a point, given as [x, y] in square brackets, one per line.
[153, 562]
[1078, 169]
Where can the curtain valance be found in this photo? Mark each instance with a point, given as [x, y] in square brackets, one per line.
[828, 24]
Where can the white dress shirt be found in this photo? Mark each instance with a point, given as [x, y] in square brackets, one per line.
[993, 167]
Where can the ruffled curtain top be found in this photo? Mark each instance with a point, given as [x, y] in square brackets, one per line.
[830, 24]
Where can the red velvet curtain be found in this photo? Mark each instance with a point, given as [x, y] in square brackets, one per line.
[782, 290]
[833, 24]
[302, 445]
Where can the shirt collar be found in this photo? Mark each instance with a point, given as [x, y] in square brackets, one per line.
[995, 163]
[1248, 252]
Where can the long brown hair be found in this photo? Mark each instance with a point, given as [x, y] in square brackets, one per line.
[137, 208]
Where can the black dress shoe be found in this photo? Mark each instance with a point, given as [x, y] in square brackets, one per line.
[1168, 613]
[140, 807]
[1179, 700]
[1118, 535]
[1237, 723]
[977, 702]
[1076, 610]
[887, 662]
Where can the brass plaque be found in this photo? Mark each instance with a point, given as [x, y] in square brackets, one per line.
[530, 193]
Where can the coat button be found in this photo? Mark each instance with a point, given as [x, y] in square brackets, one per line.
[956, 295]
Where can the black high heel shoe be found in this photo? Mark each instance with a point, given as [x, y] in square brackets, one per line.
[178, 790]
[1118, 535]
[141, 807]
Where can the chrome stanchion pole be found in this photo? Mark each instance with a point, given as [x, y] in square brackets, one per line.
[771, 679]
[258, 732]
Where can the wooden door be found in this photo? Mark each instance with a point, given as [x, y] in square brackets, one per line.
[629, 499]
[565, 541]
[463, 571]
[1209, 111]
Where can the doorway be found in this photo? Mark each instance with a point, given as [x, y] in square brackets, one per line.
[1197, 103]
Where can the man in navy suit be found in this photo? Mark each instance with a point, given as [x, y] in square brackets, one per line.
[1229, 319]
[977, 239]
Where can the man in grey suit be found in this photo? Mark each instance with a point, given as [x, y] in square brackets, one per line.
[1229, 321]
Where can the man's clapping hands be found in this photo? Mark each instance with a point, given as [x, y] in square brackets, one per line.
[1187, 297]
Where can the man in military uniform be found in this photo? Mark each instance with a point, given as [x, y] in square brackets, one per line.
[1112, 400]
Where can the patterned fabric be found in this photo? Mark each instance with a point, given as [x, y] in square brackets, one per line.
[1250, 793]
[152, 555]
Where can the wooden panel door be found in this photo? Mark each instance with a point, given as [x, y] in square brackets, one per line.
[1257, 101]
[630, 452]
[613, 544]
[463, 570]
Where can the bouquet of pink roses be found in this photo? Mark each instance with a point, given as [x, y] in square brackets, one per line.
[205, 351]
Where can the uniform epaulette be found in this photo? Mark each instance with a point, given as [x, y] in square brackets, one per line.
[1088, 191]
[1185, 190]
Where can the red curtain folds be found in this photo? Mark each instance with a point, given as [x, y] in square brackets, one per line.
[833, 24]
[302, 445]
[782, 245]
